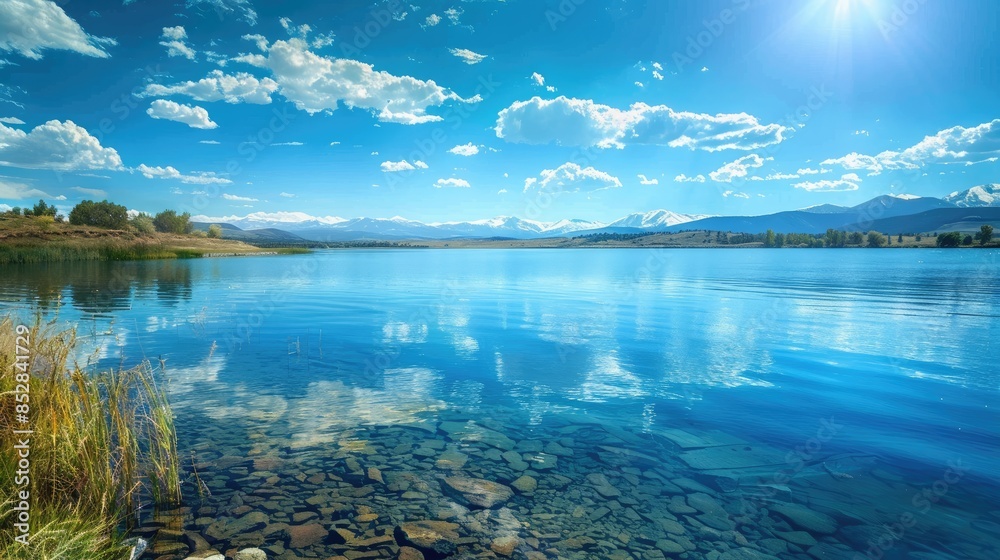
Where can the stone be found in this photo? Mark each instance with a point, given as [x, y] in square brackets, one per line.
[409, 553]
[603, 486]
[554, 448]
[375, 475]
[250, 554]
[505, 546]
[302, 536]
[434, 537]
[798, 538]
[525, 484]
[451, 459]
[476, 492]
[805, 518]
[669, 547]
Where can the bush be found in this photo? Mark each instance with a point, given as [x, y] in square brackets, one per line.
[102, 214]
[950, 239]
[143, 223]
[199, 233]
[967, 240]
[42, 209]
[215, 231]
[169, 221]
[876, 239]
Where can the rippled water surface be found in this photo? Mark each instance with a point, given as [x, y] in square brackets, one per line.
[718, 404]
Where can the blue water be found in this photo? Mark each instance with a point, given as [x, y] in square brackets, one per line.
[315, 356]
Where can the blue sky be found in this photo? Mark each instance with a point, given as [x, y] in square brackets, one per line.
[466, 109]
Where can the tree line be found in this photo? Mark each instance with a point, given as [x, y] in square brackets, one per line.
[109, 215]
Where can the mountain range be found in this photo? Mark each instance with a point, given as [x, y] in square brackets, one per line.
[891, 214]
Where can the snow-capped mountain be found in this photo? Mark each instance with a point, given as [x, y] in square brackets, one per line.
[654, 219]
[976, 197]
[330, 227]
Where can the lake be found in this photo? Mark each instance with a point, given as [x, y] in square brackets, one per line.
[718, 404]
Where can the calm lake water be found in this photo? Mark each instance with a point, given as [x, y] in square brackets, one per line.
[718, 404]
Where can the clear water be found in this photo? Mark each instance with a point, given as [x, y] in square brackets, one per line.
[738, 403]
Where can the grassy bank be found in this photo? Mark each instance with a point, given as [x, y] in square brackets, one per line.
[102, 443]
[30, 240]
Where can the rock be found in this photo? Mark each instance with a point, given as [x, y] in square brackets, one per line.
[213, 556]
[451, 459]
[748, 554]
[599, 513]
[435, 537]
[505, 546]
[603, 486]
[525, 484]
[798, 538]
[672, 527]
[375, 475]
[554, 448]
[669, 547]
[302, 536]
[250, 554]
[409, 553]
[805, 518]
[476, 492]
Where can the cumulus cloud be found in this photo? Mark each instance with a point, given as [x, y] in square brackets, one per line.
[682, 178]
[20, 191]
[62, 146]
[193, 116]
[738, 168]
[468, 56]
[467, 150]
[168, 172]
[173, 39]
[849, 182]
[538, 79]
[398, 166]
[643, 180]
[317, 83]
[452, 183]
[432, 20]
[218, 86]
[571, 177]
[957, 144]
[581, 122]
[28, 27]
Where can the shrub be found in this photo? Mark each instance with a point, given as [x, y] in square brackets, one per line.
[950, 239]
[199, 233]
[169, 221]
[102, 214]
[876, 239]
[42, 209]
[215, 231]
[143, 223]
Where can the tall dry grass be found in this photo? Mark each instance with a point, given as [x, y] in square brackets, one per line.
[103, 443]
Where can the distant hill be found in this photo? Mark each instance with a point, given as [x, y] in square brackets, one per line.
[269, 235]
[945, 219]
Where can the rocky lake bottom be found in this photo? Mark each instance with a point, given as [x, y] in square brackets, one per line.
[467, 486]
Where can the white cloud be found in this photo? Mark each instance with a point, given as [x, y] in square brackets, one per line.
[735, 194]
[173, 39]
[738, 168]
[581, 122]
[778, 177]
[432, 20]
[469, 149]
[682, 178]
[572, 175]
[317, 83]
[90, 192]
[640, 84]
[168, 172]
[62, 146]
[217, 86]
[212, 142]
[643, 180]
[28, 27]
[456, 183]
[849, 182]
[809, 171]
[242, 9]
[289, 144]
[227, 196]
[862, 133]
[502, 191]
[657, 75]
[195, 117]
[11, 120]
[468, 56]
[398, 166]
[953, 145]
[21, 191]
[286, 195]
[658, 66]
[538, 79]
[454, 15]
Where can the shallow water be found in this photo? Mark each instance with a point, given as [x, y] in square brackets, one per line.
[664, 403]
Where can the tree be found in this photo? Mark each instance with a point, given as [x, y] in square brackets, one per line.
[42, 209]
[102, 214]
[985, 234]
[876, 239]
[16, 210]
[215, 231]
[779, 240]
[143, 223]
[169, 221]
[769, 239]
[900, 238]
[920, 238]
[967, 240]
[856, 238]
[950, 239]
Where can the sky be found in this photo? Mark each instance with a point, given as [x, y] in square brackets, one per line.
[469, 109]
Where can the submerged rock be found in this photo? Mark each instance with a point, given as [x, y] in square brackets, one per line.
[437, 538]
[805, 518]
[476, 492]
